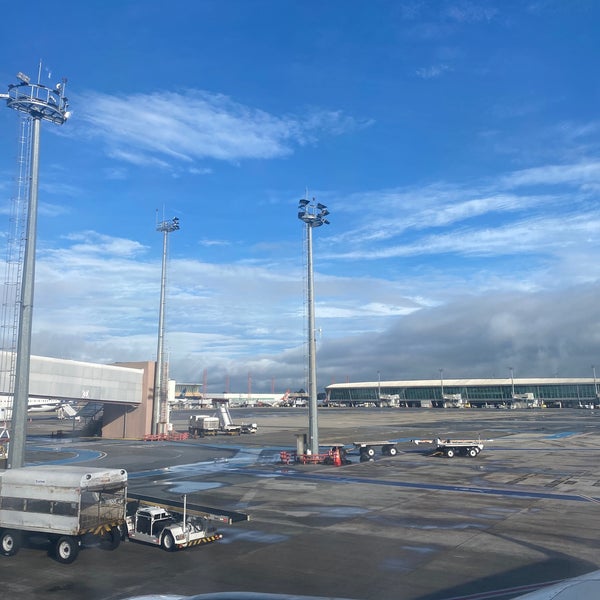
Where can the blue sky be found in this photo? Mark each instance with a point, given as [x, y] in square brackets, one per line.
[456, 145]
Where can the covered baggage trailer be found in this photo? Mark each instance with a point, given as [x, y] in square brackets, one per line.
[66, 504]
[202, 425]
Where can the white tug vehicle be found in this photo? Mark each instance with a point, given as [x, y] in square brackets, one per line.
[175, 525]
[171, 531]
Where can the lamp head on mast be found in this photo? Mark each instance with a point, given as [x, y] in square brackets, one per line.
[312, 214]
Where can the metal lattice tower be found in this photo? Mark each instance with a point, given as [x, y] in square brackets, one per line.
[161, 402]
[13, 267]
[39, 103]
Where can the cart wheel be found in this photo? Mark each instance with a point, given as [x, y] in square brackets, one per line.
[112, 539]
[10, 542]
[168, 543]
[370, 452]
[66, 549]
[449, 453]
[472, 452]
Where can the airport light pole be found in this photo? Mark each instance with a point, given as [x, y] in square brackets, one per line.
[160, 409]
[313, 216]
[40, 103]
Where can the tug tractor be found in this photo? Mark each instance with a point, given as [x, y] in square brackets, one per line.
[157, 526]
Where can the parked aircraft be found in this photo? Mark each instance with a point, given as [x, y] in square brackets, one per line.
[584, 587]
[35, 404]
[577, 588]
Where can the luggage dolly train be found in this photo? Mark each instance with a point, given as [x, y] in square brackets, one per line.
[337, 454]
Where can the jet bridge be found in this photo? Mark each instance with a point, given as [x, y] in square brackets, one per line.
[120, 389]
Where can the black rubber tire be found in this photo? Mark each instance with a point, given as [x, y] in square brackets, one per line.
[10, 542]
[168, 542]
[450, 453]
[112, 539]
[392, 451]
[66, 549]
[370, 452]
[472, 452]
[123, 532]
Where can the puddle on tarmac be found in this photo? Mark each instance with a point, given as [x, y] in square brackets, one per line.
[446, 526]
[407, 563]
[241, 458]
[419, 549]
[337, 511]
[231, 534]
[424, 525]
[189, 487]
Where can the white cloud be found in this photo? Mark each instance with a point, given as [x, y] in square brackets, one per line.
[160, 128]
[577, 174]
[249, 314]
[432, 72]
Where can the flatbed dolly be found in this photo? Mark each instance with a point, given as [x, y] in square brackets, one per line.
[451, 448]
[367, 449]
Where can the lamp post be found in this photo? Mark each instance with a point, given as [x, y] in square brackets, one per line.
[161, 379]
[40, 103]
[442, 384]
[314, 216]
[595, 386]
[512, 381]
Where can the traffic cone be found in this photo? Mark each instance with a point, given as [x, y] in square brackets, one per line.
[337, 461]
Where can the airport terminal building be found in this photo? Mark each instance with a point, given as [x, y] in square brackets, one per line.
[551, 392]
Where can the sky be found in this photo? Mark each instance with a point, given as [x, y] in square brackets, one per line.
[456, 145]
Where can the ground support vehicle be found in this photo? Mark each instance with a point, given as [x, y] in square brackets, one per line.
[451, 448]
[367, 449]
[203, 425]
[175, 526]
[68, 505]
[229, 427]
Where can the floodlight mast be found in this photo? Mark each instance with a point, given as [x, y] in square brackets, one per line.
[40, 103]
[160, 408]
[314, 216]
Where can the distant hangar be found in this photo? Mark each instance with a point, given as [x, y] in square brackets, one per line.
[552, 392]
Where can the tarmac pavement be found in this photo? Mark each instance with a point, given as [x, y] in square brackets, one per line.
[411, 527]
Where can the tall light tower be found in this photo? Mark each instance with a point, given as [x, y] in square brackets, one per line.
[161, 380]
[40, 103]
[314, 216]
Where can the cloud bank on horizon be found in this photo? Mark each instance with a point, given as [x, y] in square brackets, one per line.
[456, 145]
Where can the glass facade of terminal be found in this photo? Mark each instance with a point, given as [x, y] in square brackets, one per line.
[549, 394]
